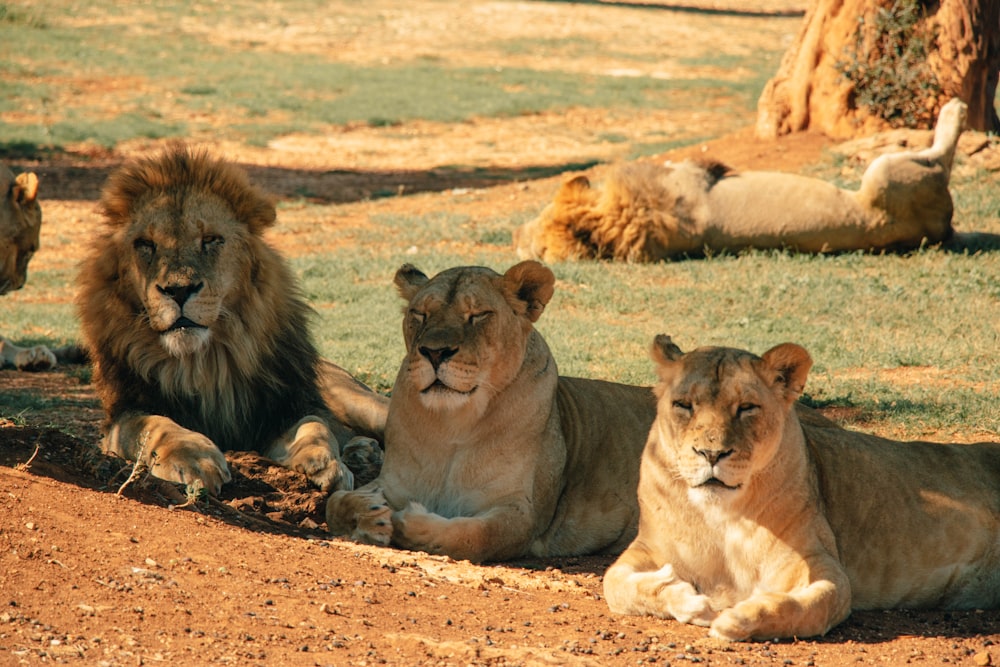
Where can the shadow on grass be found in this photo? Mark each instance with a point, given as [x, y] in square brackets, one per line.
[69, 176]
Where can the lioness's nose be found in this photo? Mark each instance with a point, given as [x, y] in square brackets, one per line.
[438, 355]
[180, 293]
[713, 456]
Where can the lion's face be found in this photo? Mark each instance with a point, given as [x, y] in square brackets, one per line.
[182, 250]
[561, 230]
[20, 224]
[466, 330]
[721, 413]
[186, 256]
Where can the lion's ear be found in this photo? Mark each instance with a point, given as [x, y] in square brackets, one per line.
[533, 283]
[665, 350]
[25, 188]
[575, 184]
[409, 279]
[789, 364]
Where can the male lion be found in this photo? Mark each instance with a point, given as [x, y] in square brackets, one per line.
[198, 333]
[648, 212]
[490, 454]
[758, 525]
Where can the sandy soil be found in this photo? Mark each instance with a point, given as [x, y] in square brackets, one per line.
[96, 571]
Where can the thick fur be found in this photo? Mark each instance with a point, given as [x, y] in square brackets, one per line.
[490, 454]
[648, 212]
[757, 524]
[199, 335]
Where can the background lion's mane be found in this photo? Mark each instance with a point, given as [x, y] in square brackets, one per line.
[258, 375]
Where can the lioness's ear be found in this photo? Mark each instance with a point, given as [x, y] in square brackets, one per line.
[533, 283]
[664, 350]
[790, 364]
[409, 279]
[25, 188]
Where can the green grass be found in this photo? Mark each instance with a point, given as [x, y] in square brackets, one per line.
[159, 80]
[857, 314]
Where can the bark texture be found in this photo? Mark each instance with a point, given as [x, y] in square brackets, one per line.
[860, 66]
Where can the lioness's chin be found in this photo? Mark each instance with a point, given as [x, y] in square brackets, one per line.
[185, 341]
[439, 396]
[714, 491]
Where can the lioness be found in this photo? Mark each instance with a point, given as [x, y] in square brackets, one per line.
[758, 525]
[649, 212]
[20, 228]
[490, 454]
[20, 225]
[198, 332]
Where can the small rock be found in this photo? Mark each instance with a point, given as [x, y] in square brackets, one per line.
[983, 659]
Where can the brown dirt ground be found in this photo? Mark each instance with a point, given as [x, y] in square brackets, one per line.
[93, 575]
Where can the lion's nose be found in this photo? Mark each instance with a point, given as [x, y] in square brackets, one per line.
[438, 355]
[713, 456]
[180, 293]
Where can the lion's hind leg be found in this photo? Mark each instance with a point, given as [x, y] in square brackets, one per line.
[363, 515]
[950, 123]
[641, 592]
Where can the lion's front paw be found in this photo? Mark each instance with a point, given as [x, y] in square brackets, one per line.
[363, 516]
[732, 625]
[694, 609]
[38, 358]
[190, 458]
[328, 473]
[416, 529]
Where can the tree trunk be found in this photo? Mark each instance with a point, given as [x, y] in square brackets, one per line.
[860, 66]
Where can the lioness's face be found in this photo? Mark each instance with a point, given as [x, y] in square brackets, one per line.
[20, 224]
[720, 415]
[467, 328]
[187, 254]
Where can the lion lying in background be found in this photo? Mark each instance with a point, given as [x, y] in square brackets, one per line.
[647, 212]
[757, 524]
[199, 336]
[490, 453]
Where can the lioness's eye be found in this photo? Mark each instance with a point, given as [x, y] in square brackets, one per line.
[476, 318]
[211, 241]
[682, 405]
[746, 409]
[417, 316]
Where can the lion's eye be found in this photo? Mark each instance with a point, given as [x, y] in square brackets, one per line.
[144, 247]
[479, 318]
[746, 410]
[417, 316]
[211, 242]
[682, 406]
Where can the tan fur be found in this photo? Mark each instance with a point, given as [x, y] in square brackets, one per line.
[490, 454]
[758, 524]
[649, 212]
[198, 333]
[20, 227]
[20, 224]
